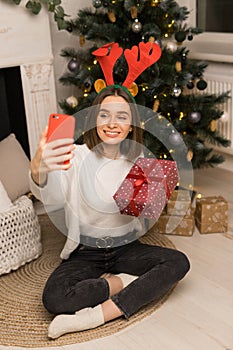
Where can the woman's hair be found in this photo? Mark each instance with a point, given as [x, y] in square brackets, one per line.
[131, 147]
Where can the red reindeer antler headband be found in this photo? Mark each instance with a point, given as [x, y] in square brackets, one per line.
[138, 59]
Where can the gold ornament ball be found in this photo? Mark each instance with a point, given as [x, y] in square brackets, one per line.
[72, 101]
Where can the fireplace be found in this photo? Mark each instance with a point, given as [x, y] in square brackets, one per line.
[27, 87]
[12, 111]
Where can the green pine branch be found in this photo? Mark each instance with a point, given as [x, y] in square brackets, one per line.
[54, 6]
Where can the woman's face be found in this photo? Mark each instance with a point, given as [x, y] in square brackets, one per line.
[114, 120]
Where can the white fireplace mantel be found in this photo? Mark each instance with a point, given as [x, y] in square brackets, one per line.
[25, 42]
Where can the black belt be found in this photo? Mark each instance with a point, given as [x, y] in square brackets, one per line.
[108, 242]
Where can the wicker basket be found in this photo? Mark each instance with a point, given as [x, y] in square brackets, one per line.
[20, 236]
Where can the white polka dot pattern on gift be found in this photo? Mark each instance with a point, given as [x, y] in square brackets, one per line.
[147, 188]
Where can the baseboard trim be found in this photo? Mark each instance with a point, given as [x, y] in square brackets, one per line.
[228, 163]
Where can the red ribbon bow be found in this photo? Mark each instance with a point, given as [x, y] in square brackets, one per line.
[142, 178]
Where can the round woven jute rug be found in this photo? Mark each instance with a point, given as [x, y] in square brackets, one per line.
[24, 320]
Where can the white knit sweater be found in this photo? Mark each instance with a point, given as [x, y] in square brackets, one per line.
[86, 193]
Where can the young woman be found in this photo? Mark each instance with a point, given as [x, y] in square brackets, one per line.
[100, 239]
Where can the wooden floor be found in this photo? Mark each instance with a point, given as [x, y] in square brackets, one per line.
[199, 313]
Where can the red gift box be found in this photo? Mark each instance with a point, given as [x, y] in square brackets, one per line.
[147, 187]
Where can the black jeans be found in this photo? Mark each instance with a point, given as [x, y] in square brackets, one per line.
[76, 282]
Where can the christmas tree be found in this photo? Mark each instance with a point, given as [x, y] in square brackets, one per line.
[172, 88]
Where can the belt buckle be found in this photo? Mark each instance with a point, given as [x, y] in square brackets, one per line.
[104, 242]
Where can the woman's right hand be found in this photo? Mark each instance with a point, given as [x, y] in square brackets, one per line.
[50, 156]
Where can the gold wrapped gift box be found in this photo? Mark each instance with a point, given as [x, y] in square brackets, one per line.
[176, 225]
[179, 203]
[211, 214]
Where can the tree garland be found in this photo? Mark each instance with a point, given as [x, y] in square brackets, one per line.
[35, 6]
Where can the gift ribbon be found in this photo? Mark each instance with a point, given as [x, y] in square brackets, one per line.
[142, 178]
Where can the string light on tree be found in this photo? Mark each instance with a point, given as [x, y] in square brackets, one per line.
[171, 24]
[155, 3]
[183, 57]
[181, 116]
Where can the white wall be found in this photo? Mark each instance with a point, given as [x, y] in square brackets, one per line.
[191, 6]
[62, 39]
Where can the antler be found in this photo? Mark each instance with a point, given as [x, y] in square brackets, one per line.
[149, 54]
[107, 55]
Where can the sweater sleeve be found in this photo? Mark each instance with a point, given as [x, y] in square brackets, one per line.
[54, 192]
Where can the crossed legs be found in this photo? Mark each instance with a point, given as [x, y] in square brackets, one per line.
[91, 317]
[82, 300]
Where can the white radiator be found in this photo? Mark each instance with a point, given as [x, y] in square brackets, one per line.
[224, 127]
[220, 81]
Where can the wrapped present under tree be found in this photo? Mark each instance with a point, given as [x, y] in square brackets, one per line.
[176, 225]
[211, 214]
[179, 203]
[147, 188]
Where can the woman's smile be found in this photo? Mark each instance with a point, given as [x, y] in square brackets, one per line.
[112, 134]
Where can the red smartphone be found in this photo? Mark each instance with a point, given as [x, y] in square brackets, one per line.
[60, 126]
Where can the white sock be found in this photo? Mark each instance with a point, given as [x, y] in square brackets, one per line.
[84, 319]
[126, 279]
